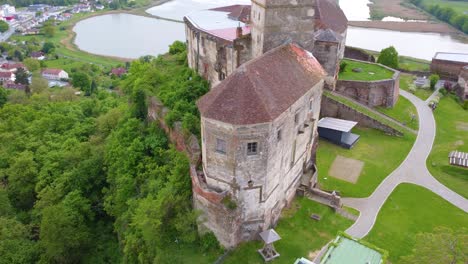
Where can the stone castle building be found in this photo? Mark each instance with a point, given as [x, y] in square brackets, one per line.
[267, 63]
[221, 39]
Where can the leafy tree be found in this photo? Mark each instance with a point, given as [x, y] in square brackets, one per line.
[32, 64]
[22, 76]
[177, 47]
[4, 26]
[15, 243]
[49, 29]
[441, 246]
[6, 209]
[18, 55]
[82, 81]
[389, 57]
[48, 47]
[63, 231]
[38, 83]
[22, 180]
[140, 105]
[3, 96]
[433, 80]
[93, 87]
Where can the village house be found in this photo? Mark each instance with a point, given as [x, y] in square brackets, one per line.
[12, 67]
[14, 86]
[38, 55]
[118, 71]
[7, 76]
[54, 74]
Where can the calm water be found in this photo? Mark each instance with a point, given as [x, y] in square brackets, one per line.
[126, 36]
[132, 36]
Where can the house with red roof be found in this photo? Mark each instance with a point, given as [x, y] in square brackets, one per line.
[12, 66]
[7, 76]
[118, 71]
[54, 74]
[13, 85]
[38, 55]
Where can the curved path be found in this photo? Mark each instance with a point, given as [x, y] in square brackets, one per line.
[411, 170]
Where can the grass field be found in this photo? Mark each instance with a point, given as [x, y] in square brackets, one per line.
[458, 6]
[411, 210]
[452, 134]
[403, 112]
[421, 93]
[412, 64]
[300, 235]
[381, 154]
[370, 72]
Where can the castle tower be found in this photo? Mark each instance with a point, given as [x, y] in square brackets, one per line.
[275, 22]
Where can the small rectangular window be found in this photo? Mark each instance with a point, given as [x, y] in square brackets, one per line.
[297, 116]
[278, 135]
[220, 146]
[252, 148]
[311, 103]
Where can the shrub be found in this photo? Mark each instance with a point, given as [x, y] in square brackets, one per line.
[465, 105]
[343, 65]
[389, 57]
[412, 88]
[177, 47]
[209, 242]
[172, 117]
[190, 124]
[229, 203]
[443, 92]
[433, 79]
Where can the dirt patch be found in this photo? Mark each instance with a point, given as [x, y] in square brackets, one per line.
[405, 26]
[396, 8]
[346, 169]
[462, 126]
[313, 255]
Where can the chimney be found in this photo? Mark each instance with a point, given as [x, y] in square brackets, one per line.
[238, 31]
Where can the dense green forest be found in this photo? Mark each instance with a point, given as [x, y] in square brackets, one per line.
[446, 14]
[87, 179]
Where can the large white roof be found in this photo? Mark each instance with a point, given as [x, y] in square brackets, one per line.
[336, 124]
[459, 57]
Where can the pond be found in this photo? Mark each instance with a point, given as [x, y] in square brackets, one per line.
[126, 36]
[130, 36]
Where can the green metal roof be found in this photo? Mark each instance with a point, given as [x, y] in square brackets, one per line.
[348, 251]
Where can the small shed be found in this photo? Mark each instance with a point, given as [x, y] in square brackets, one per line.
[269, 252]
[458, 158]
[338, 131]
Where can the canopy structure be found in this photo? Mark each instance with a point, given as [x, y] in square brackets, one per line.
[268, 252]
[338, 131]
[349, 251]
[458, 158]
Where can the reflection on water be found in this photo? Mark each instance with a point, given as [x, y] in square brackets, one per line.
[177, 9]
[127, 36]
[418, 45]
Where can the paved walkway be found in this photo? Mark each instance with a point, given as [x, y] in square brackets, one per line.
[412, 170]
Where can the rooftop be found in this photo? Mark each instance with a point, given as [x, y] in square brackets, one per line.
[222, 22]
[364, 71]
[349, 251]
[262, 89]
[458, 57]
[337, 124]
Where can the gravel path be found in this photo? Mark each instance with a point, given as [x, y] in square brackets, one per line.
[412, 170]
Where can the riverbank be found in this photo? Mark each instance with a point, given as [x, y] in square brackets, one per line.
[396, 8]
[424, 27]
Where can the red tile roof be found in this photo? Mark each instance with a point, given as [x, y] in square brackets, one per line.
[10, 66]
[262, 89]
[5, 74]
[328, 14]
[119, 71]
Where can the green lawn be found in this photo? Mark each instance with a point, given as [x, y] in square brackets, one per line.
[458, 6]
[300, 235]
[403, 112]
[412, 64]
[421, 93]
[379, 72]
[452, 134]
[380, 153]
[411, 210]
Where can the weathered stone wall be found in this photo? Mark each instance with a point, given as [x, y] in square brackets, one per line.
[263, 184]
[276, 21]
[372, 93]
[327, 54]
[216, 217]
[215, 58]
[358, 54]
[332, 108]
[448, 70]
[462, 86]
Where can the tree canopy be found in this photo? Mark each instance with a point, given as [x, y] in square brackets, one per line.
[4, 26]
[389, 57]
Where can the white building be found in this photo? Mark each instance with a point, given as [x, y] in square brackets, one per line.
[7, 76]
[7, 10]
[54, 74]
